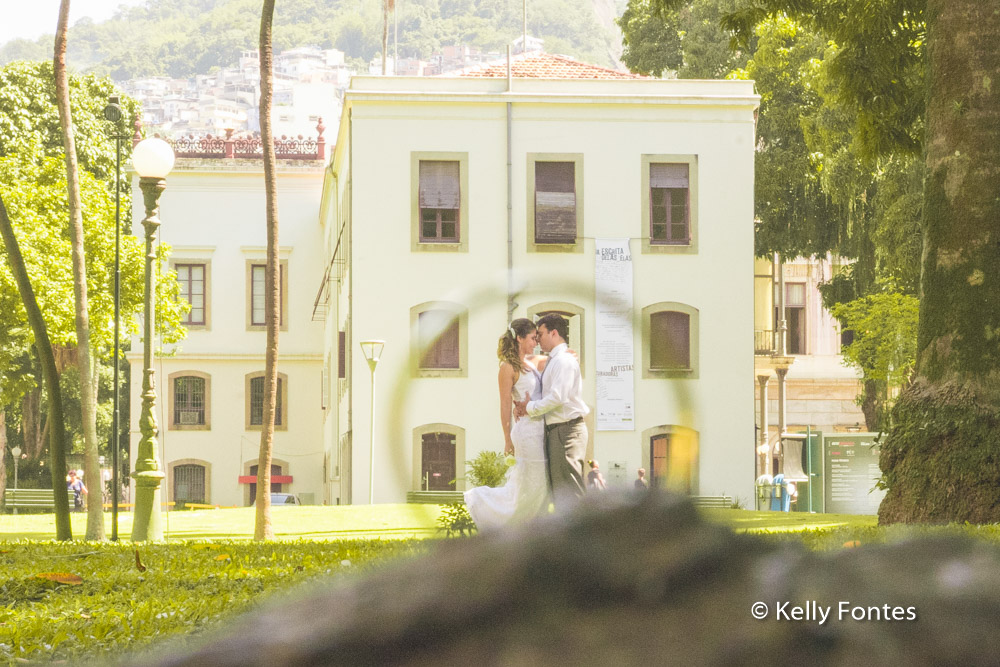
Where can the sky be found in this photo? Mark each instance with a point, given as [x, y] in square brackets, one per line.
[31, 19]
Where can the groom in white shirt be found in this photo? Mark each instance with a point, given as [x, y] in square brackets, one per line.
[563, 407]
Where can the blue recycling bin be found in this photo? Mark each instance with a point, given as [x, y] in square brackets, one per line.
[781, 500]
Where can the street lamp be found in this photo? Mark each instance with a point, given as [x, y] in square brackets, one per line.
[372, 350]
[152, 159]
[16, 453]
[113, 113]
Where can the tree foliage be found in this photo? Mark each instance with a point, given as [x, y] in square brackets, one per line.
[884, 347]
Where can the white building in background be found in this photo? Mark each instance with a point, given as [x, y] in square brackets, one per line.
[209, 405]
[416, 231]
[436, 187]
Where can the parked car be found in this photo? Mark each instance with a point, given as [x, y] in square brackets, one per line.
[284, 499]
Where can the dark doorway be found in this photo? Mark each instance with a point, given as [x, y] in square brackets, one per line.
[275, 488]
[437, 454]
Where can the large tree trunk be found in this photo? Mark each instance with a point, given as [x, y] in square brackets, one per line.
[88, 403]
[57, 430]
[272, 300]
[942, 459]
[32, 431]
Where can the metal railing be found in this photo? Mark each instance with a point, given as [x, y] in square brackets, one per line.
[764, 342]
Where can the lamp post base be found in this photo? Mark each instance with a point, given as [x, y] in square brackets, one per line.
[146, 523]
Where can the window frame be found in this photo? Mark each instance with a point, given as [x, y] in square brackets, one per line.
[282, 396]
[416, 466]
[206, 265]
[693, 314]
[171, 480]
[461, 313]
[679, 433]
[577, 160]
[283, 291]
[172, 425]
[462, 224]
[646, 203]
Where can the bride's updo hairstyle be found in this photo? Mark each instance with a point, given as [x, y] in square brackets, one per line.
[507, 347]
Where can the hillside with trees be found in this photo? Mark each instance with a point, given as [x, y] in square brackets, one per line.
[181, 38]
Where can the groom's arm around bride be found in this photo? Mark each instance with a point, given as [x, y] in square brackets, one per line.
[564, 410]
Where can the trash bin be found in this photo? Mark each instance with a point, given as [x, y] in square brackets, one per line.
[780, 497]
[765, 487]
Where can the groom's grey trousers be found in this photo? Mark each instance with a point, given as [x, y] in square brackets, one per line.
[565, 447]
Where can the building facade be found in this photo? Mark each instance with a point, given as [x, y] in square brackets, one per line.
[209, 387]
[453, 204]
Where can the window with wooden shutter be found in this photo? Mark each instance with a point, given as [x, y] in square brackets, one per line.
[439, 339]
[669, 194]
[439, 201]
[341, 354]
[670, 340]
[555, 202]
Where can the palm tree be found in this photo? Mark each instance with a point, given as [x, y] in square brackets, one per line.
[272, 302]
[88, 386]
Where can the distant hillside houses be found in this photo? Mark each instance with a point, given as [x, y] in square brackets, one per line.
[309, 84]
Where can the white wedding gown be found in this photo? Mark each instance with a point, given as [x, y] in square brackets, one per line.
[526, 493]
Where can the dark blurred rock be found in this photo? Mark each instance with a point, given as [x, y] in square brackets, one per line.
[633, 581]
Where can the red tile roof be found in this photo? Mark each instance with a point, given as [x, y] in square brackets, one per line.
[538, 65]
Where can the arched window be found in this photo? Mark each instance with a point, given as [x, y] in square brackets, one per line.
[438, 338]
[438, 456]
[255, 390]
[189, 481]
[189, 394]
[670, 340]
[671, 457]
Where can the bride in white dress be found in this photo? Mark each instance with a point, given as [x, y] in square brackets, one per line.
[526, 492]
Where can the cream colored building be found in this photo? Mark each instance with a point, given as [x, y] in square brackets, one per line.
[209, 401]
[439, 185]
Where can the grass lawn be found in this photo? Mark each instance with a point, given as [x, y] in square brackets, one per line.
[100, 601]
[313, 522]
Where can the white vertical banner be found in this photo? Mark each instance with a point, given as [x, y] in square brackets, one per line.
[613, 288]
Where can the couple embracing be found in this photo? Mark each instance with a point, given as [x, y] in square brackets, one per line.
[541, 414]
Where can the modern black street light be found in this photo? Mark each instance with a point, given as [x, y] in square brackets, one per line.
[113, 113]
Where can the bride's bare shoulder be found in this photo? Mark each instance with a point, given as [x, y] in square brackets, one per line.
[506, 370]
[538, 361]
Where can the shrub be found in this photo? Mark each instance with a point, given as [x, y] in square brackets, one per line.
[487, 469]
[455, 518]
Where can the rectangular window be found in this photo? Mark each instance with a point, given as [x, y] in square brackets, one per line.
[668, 204]
[257, 402]
[555, 202]
[191, 279]
[795, 314]
[257, 286]
[189, 401]
[439, 341]
[440, 200]
[341, 354]
[670, 340]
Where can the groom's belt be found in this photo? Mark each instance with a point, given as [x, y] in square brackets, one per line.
[571, 422]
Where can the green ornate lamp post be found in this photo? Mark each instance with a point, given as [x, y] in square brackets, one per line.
[152, 160]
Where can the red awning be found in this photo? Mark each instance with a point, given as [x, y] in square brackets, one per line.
[275, 479]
